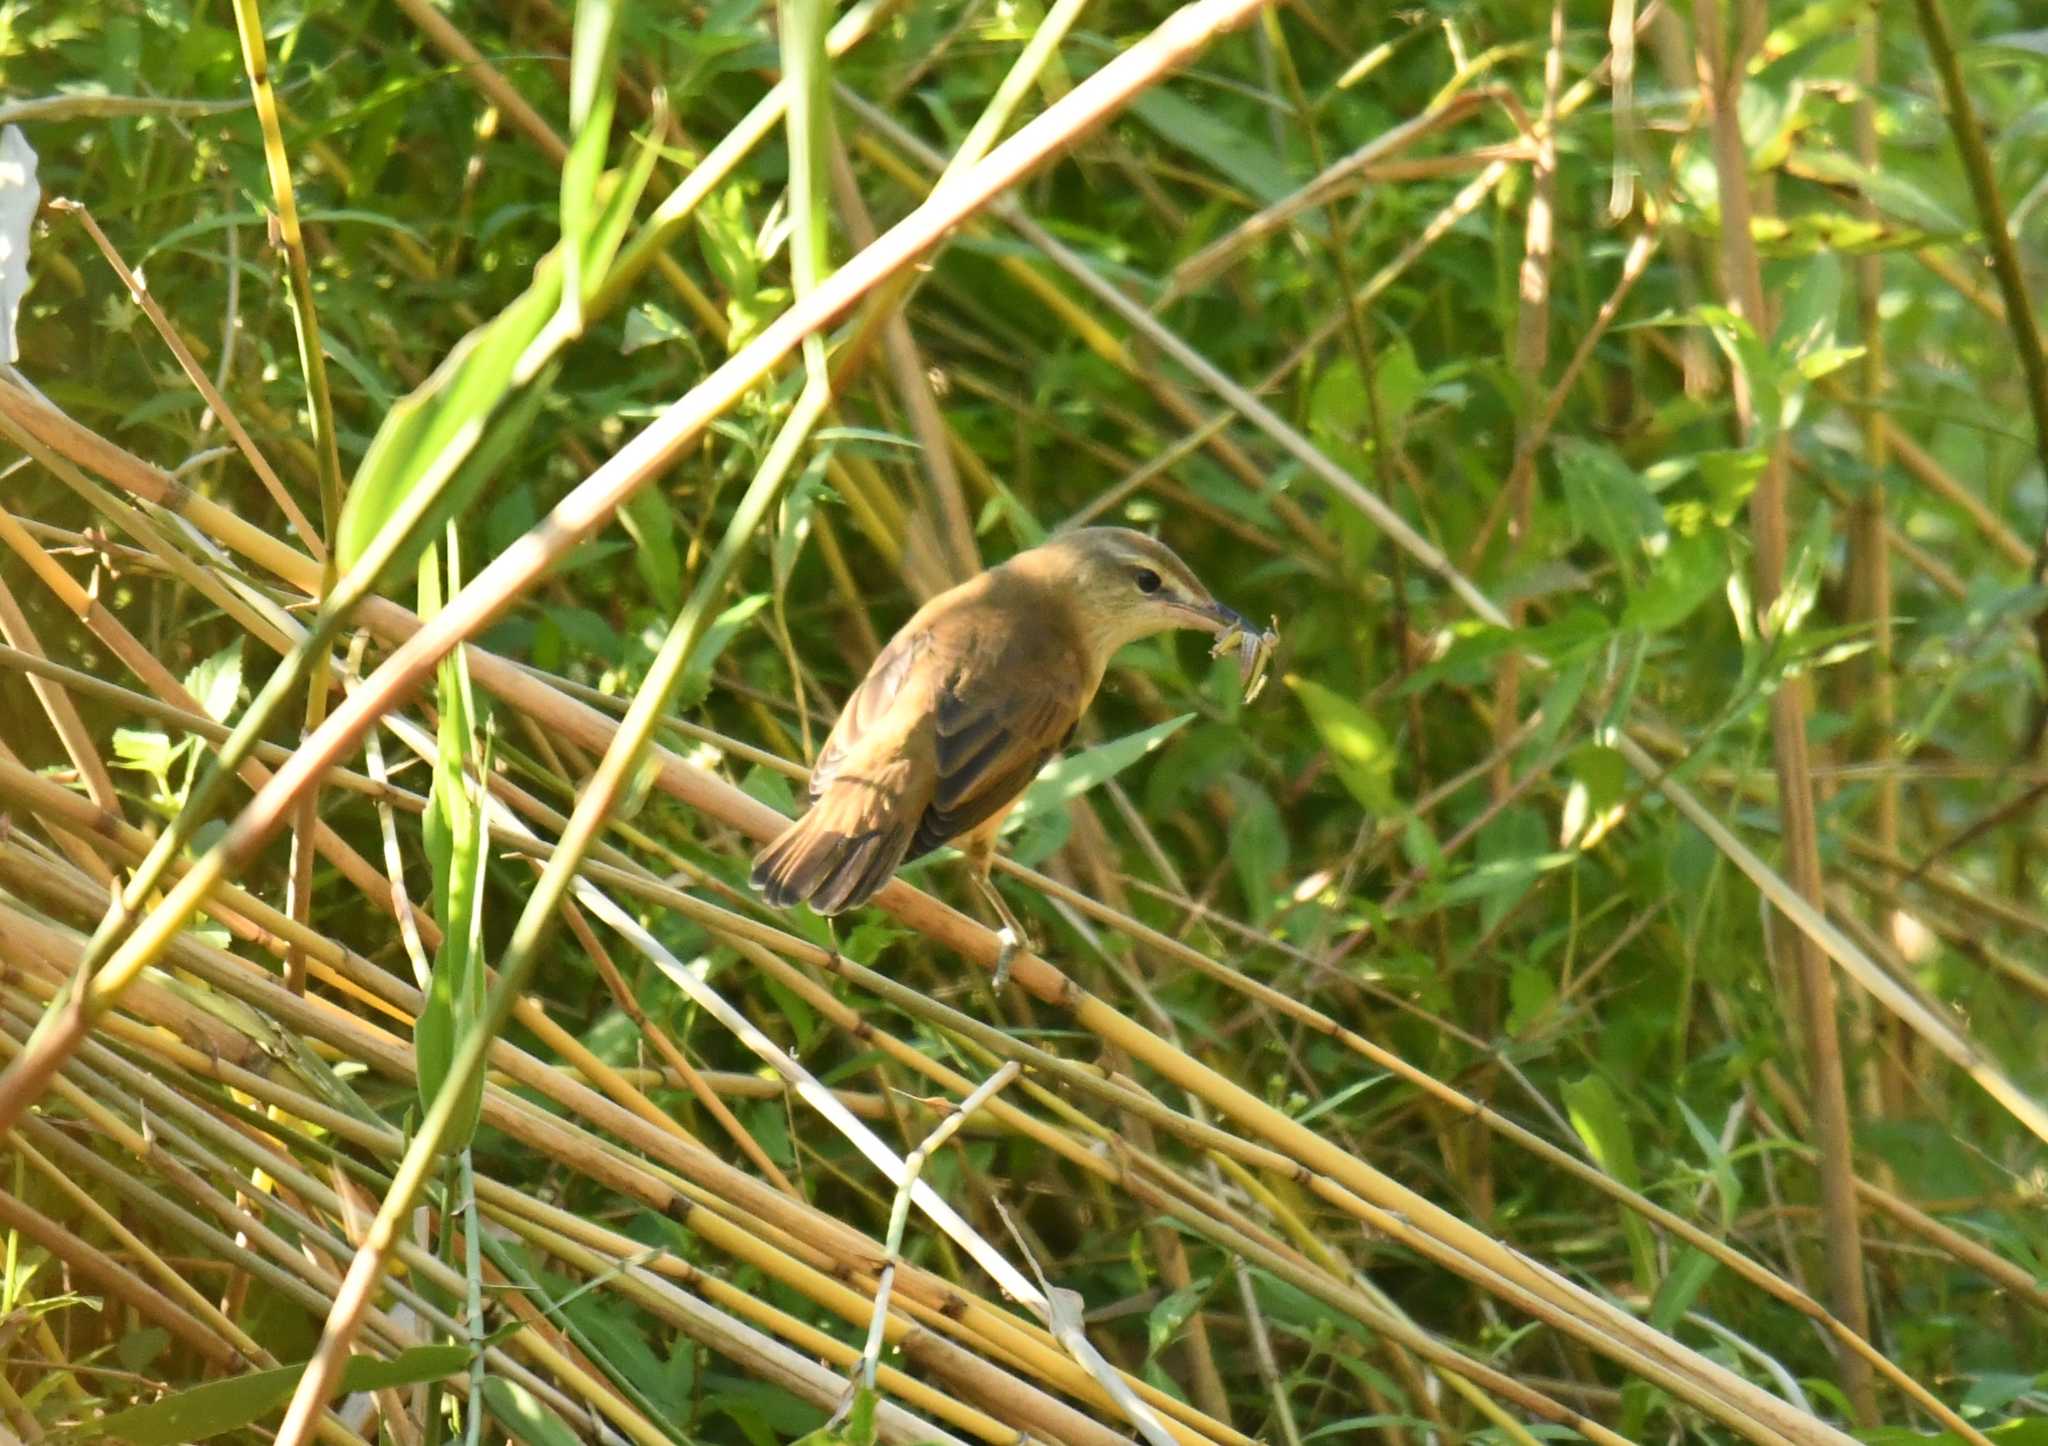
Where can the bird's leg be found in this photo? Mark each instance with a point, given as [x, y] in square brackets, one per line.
[980, 858]
[1012, 933]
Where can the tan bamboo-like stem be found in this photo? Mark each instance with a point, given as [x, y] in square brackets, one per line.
[940, 549]
[1815, 1006]
[1522, 470]
[35, 420]
[560, 1231]
[919, 1292]
[71, 733]
[1870, 575]
[593, 503]
[94, 1265]
[174, 1285]
[320, 405]
[699, 790]
[761, 1354]
[101, 1085]
[1360, 164]
[1529, 359]
[189, 365]
[125, 646]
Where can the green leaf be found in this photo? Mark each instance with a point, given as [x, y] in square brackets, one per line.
[1729, 477]
[649, 520]
[1812, 299]
[1761, 366]
[1597, 1116]
[1768, 110]
[620, 192]
[1682, 1287]
[1530, 991]
[228, 1405]
[1258, 846]
[1802, 582]
[1476, 645]
[1514, 851]
[1360, 751]
[458, 841]
[1165, 1321]
[455, 995]
[727, 242]
[696, 680]
[1343, 1096]
[526, 1416]
[1338, 408]
[1826, 360]
[1887, 189]
[427, 435]
[139, 1348]
[1066, 779]
[1560, 701]
[1727, 1180]
[593, 93]
[1608, 500]
[150, 751]
[648, 325]
[1234, 153]
[1690, 570]
[217, 682]
[1808, 234]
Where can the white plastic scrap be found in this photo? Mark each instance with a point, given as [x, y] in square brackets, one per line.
[19, 197]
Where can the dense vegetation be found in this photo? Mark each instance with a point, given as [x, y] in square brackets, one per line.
[1596, 988]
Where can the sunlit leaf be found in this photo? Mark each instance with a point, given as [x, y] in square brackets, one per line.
[428, 435]
[217, 682]
[1360, 750]
[1597, 1116]
[1690, 570]
[525, 1415]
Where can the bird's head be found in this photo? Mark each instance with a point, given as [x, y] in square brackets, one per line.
[1123, 585]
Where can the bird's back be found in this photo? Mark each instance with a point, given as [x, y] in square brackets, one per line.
[954, 719]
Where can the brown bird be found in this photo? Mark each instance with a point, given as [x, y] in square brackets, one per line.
[963, 708]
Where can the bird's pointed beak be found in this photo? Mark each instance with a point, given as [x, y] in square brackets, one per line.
[1220, 619]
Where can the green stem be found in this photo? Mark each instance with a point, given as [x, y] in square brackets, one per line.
[2005, 262]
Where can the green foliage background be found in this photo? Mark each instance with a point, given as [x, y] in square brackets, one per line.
[1530, 924]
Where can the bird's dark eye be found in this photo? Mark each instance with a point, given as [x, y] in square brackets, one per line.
[1147, 580]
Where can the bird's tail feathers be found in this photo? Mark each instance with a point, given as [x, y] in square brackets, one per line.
[836, 857]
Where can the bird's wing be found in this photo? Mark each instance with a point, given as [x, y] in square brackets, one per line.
[869, 705]
[995, 721]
